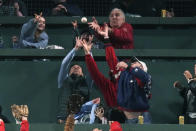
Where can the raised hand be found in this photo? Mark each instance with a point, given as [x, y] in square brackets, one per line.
[104, 32]
[78, 43]
[86, 46]
[188, 75]
[99, 112]
[121, 65]
[37, 17]
[96, 101]
[94, 24]
[75, 24]
[90, 39]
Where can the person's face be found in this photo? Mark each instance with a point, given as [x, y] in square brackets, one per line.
[41, 24]
[77, 70]
[137, 64]
[14, 39]
[116, 18]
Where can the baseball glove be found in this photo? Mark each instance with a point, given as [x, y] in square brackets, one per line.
[69, 125]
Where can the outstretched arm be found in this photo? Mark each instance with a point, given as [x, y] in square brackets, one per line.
[41, 44]
[30, 25]
[106, 86]
[109, 50]
[76, 32]
[64, 69]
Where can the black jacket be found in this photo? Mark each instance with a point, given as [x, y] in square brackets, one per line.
[189, 95]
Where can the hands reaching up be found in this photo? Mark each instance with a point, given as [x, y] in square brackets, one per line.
[37, 17]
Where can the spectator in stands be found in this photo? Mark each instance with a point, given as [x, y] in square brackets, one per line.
[188, 93]
[20, 114]
[129, 90]
[65, 8]
[4, 118]
[120, 32]
[13, 8]
[15, 42]
[72, 80]
[33, 33]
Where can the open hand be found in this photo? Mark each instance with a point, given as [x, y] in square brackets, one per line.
[104, 32]
[99, 112]
[121, 65]
[37, 17]
[78, 43]
[188, 75]
[94, 24]
[75, 24]
[86, 46]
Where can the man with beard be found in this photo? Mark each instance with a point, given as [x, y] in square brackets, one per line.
[33, 33]
[72, 81]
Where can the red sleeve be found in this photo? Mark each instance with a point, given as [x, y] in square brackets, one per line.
[111, 58]
[96, 75]
[123, 34]
[24, 126]
[2, 126]
[107, 88]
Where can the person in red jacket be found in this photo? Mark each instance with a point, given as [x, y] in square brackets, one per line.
[132, 78]
[120, 32]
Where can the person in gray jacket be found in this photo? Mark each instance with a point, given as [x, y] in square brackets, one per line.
[33, 33]
[72, 80]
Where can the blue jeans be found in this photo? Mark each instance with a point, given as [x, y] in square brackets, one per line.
[147, 119]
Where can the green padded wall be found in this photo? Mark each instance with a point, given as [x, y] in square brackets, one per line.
[35, 83]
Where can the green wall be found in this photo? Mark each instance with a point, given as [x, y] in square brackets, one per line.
[35, 84]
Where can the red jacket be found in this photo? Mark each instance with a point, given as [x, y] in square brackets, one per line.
[2, 126]
[107, 87]
[122, 38]
[24, 126]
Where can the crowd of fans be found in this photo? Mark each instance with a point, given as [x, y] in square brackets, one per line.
[126, 93]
